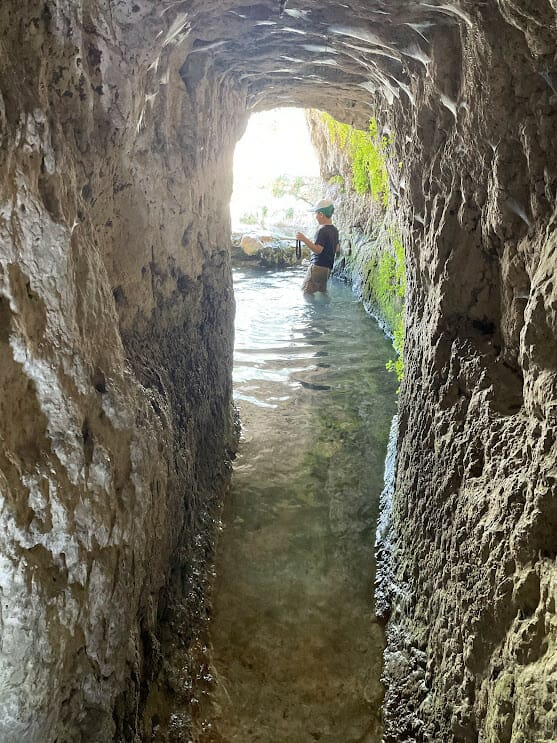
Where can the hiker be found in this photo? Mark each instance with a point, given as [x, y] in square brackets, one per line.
[323, 250]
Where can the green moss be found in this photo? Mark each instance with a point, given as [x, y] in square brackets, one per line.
[384, 289]
[385, 274]
[500, 717]
[338, 132]
[368, 152]
[397, 366]
[337, 180]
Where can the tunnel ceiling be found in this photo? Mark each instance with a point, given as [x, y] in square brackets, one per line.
[327, 55]
[283, 55]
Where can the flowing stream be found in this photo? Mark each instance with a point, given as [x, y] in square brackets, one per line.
[297, 652]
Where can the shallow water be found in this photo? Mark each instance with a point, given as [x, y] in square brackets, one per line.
[296, 649]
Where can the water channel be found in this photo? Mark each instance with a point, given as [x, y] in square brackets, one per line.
[297, 651]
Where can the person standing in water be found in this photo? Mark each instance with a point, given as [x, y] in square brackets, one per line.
[323, 249]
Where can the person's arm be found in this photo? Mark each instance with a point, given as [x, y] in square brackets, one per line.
[314, 247]
[337, 249]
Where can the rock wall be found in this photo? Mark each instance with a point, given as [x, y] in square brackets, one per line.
[116, 331]
[473, 539]
[472, 649]
[117, 125]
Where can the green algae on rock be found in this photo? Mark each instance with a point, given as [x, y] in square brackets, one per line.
[373, 257]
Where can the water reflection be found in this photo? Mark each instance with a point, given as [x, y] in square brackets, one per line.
[297, 652]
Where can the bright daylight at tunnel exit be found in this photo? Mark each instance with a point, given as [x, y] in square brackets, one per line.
[279, 362]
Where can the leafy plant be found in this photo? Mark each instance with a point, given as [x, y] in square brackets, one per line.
[368, 152]
[249, 218]
[304, 189]
[337, 180]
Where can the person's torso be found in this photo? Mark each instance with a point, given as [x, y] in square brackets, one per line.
[327, 237]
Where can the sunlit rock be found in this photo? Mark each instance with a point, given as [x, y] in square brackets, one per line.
[251, 245]
[267, 251]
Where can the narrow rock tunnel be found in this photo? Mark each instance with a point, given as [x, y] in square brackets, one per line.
[118, 122]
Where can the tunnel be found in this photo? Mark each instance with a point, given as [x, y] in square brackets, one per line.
[118, 122]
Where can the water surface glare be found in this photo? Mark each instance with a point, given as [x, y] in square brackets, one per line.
[297, 651]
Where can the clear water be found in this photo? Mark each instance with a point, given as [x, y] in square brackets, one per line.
[297, 652]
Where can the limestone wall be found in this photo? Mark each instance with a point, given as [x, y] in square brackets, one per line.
[472, 636]
[116, 335]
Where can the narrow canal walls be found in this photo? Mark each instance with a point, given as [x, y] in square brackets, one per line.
[475, 506]
[117, 128]
[116, 314]
[472, 632]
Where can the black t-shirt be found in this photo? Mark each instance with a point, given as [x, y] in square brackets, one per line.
[327, 237]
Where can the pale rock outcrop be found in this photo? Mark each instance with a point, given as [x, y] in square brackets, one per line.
[250, 245]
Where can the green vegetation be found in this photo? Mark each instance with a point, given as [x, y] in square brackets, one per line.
[306, 189]
[249, 218]
[337, 180]
[286, 185]
[385, 274]
[368, 152]
[400, 290]
[257, 217]
[385, 286]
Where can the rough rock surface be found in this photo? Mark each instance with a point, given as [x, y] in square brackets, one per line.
[117, 126]
[265, 252]
[473, 634]
[116, 330]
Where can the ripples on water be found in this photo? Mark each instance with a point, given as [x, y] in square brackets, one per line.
[297, 652]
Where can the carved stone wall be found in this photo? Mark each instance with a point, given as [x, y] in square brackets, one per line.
[116, 316]
[472, 639]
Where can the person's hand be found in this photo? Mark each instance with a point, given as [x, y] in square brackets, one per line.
[301, 236]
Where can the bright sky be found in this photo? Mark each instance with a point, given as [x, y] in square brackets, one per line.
[275, 143]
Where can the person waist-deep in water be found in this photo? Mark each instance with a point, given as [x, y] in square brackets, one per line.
[323, 249]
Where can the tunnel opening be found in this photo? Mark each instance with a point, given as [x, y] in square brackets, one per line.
[293, 614]
[276, 176]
